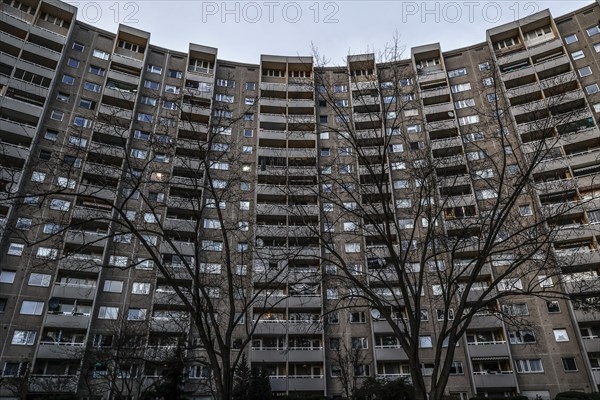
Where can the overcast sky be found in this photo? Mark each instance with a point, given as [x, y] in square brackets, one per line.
[243, 30]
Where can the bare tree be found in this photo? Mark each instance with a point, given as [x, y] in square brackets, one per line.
[107, 194]
[444, 206]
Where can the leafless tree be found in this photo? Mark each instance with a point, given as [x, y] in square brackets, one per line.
[106, 189]
[449, 221]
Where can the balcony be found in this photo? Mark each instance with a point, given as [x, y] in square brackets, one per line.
[297, 383]
[446, 143]
[17, 128]
[451, 161]
[486, 321]
[53, 383]
[441, 125]
[591, 344]
[390, 354]
[87, 264]
[160, 324]
[128, 61]
[71, 321]
[275, 327]
[183, 248]
[60, 351]
[432, 76]
[290, 354]
[504, 379]
[488, 349]
[82, 237]
[553, 65]
[81, 292]
[107, 149]
[587, 316]
[182, 225]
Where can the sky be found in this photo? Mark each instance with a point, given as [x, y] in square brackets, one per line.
[243, 30]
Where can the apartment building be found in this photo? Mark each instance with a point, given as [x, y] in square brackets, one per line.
[84, 113]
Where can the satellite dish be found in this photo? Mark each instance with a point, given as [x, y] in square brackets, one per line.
[375, 313]
[450, 113]
[53, 304]
[260, 243]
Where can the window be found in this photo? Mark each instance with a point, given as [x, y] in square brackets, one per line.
[571, 39]
[38, 177]
[484, 66]
[46, 252]
[569, 364]
[462, 87]
[457, 72]
[100, 54]
[468, 120]
[525, 210]
[113, 286]
[515, 309]
[23, 224]
[118, 261]
[352, 247]
[248, 132]
[92, 87]
[225, 83]
[97, 70]
[68, 80]
[594, 30]
[136, 314]
[359, 343]
[51, 135]
[357, 317]
[105, 312]
[456, 368]
[60, 205]
[591, 89]
[488, 82]
[576, 55]
[36, 279]
[441, 314]
[529, 366]
[553, 306]
[361, 370]
[246, 149]
[140, 154]
[66, 183]
[464, 103]
[82, 122]
[24, 338]
[78, 47]
[73, 62]
[521, 337]
[175, 74]
[486, 194]
[561, 335]
[513, 169]
[172, 89]
[32, 307]
[425, 342]
[57, 115]
[510, 284]
[7, 276]
[148, 84]
[153, 69]
[585, 71]
[15, 249]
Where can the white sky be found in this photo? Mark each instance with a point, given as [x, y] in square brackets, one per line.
[243, 30]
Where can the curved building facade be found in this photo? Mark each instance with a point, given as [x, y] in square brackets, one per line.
[96, 100]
